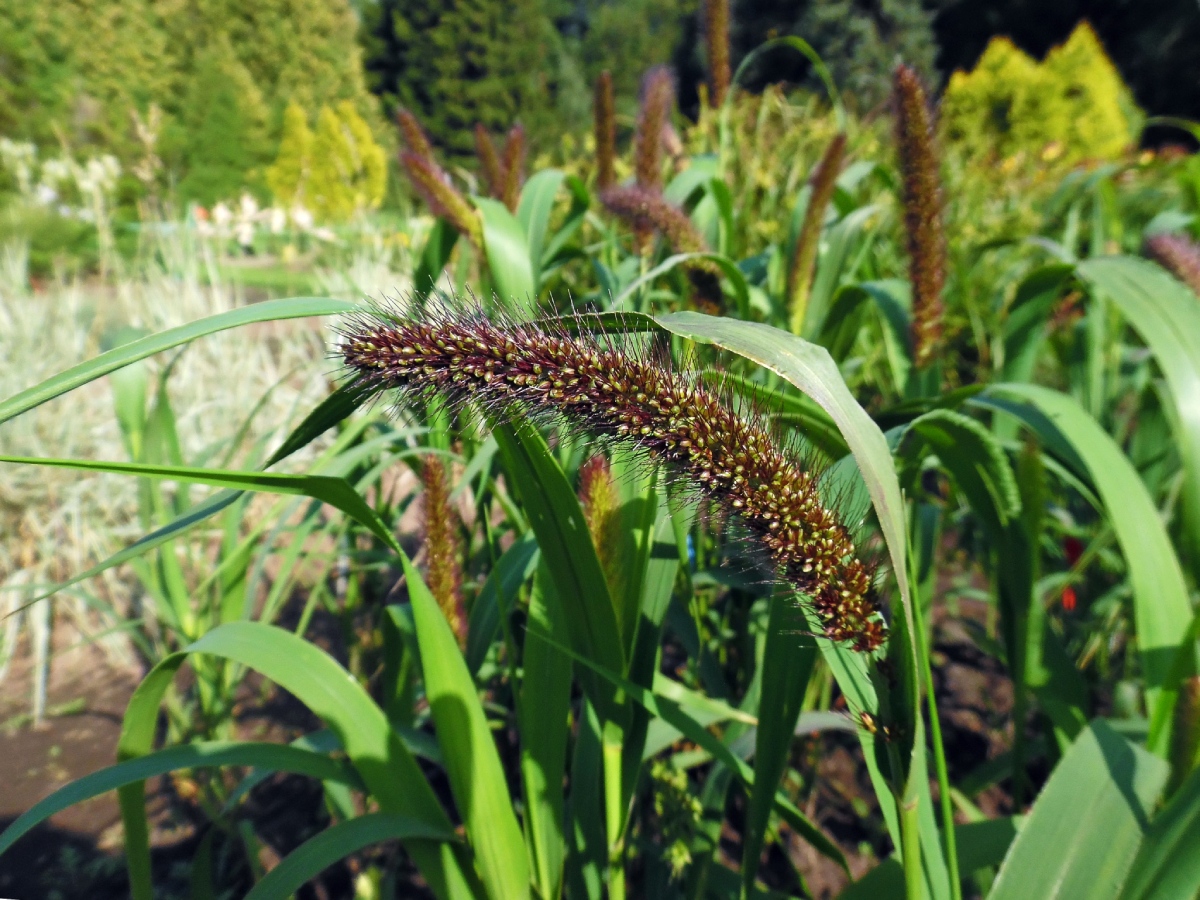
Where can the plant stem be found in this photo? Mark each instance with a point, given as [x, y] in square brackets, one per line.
[949, 841]
[910, 847]
[613, 808]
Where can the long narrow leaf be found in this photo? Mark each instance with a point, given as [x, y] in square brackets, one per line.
[270, 310]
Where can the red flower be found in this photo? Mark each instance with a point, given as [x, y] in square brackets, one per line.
[1068, 599]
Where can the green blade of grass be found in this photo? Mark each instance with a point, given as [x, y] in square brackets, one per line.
[1167, 866]
[557, 519]
[469, 753]
[544, 714]
[118, 357]
[672, 712]
[385, 765]
[810, 369]
[335, 491]
[1165, 313]
[1162, 610]
[336, 843]
[496, 598]
[433, 259]
[737, 279]
[787, 664]
[1085, 827]
[508, 257]
[533, 212]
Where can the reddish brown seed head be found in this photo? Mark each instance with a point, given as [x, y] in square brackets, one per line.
[616, 397]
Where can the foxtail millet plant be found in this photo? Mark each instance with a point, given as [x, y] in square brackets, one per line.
[658, 96]
[924, 233]
[413, 135]
[601, 510]
[647, 211]
[804, 255]
[513, 167]
[716, 34]
[489, 161]
[443, 546]
[433, 185]
[1178, 255]
[605, 124]
[600, 389]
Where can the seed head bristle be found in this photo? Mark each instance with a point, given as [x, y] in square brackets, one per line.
[435, 189]
[513, 167]
[443, 546]
[650, 210]
[489, 162]
[658, 95]
[1178, 255]
[606, 131]
[601, 509]
[414, 136]
[716, 33]
[616, 397]
[804, 257]
[922, 213]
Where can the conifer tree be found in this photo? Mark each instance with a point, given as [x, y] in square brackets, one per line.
[456, 63]
[225, 122]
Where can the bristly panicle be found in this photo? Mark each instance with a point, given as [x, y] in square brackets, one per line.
[443, 199]
[601, 508]
[414, 136]
[922, 213]
[617, 397]
[639, 206]
[716, 34]
[649, 210]
[804, 257]
[658, 96]
[1178, 255]
[443, 546]
[489, 161]
[606, 131]
[514, 167]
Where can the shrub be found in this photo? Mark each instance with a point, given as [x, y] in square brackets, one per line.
[349, 169]
[1074, 102]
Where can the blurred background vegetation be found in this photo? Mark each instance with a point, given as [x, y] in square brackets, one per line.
[204, 86]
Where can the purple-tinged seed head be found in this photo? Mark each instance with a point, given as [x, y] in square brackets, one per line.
[615, 397]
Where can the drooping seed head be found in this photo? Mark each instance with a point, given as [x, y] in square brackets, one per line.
[1178, 255]
[414, 136]
[804, 256]
[513, 167]
[614, 396]
[924, 234]
[489, 162]
[658, 96]
[649, 210]
[443, 198]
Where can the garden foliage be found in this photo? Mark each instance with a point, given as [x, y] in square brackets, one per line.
[709, 443]
[1072, 105]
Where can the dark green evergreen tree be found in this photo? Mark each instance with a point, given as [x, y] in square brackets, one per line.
[224, 135]
[860, 41]
[455, 63]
